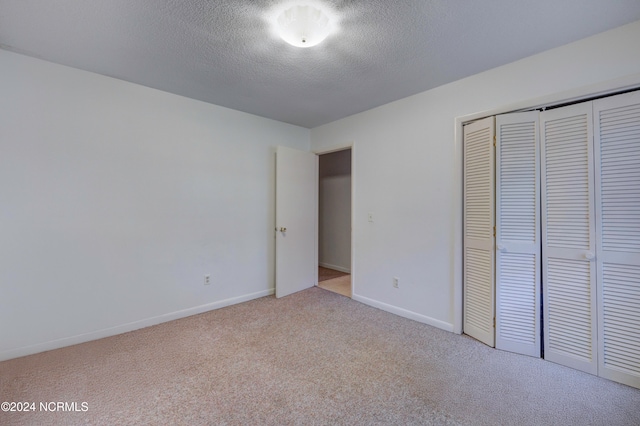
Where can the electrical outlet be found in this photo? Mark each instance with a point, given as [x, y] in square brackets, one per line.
[207, 279]
[396, 282]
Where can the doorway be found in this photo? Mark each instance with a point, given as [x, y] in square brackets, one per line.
[334, 222]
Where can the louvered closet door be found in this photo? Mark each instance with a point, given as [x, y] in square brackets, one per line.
[479, 201]
[617, 154]
[568, 237]
[518, 233]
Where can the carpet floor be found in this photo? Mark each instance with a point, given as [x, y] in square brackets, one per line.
[312, 358]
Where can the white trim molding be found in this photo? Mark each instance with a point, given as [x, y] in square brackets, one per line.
[335, 267]
[136, 325]
[404, 313]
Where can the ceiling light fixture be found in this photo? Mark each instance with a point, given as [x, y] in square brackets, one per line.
[303, 24]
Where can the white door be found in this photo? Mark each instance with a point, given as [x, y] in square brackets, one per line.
[568, 237]
[617, 155]
[296, 220]
[518, 264]
[479, 200]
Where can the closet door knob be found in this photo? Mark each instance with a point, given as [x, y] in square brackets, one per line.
[501, 247]
[283, 229]
[589, 255]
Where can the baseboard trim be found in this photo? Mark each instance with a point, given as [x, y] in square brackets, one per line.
[136, 325]
[337, 268]
[404, 313]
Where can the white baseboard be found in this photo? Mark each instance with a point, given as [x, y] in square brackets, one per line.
[404, 313]
[136, 325]
[335, 267]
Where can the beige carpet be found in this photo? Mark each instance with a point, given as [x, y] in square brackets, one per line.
[310, 358]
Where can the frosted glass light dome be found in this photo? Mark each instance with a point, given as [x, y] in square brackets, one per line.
[303, 25]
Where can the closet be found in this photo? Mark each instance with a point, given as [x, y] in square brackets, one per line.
[552, 235]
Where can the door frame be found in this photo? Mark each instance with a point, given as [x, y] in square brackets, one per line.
[583, 93]
[342, 147]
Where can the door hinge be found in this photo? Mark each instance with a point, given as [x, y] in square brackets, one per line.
[494, 322]
[494, 230]
[494, 140]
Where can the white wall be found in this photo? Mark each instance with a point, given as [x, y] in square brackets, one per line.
[116, 200]
[334, 228]
[407, 168]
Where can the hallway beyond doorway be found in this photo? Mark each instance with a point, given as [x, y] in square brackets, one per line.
[335, 281]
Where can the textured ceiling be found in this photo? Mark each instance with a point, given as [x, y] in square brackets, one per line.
[224, 51]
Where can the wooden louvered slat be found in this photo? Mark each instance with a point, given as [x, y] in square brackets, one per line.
[567, 189]
[568, 237]
[518, 234]
[517, 319]
[617, 164]
[478, 231]
[569, 308]
[619, 160]
[621, 303]
[478, 293]
[478, 172]
[517, 178]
